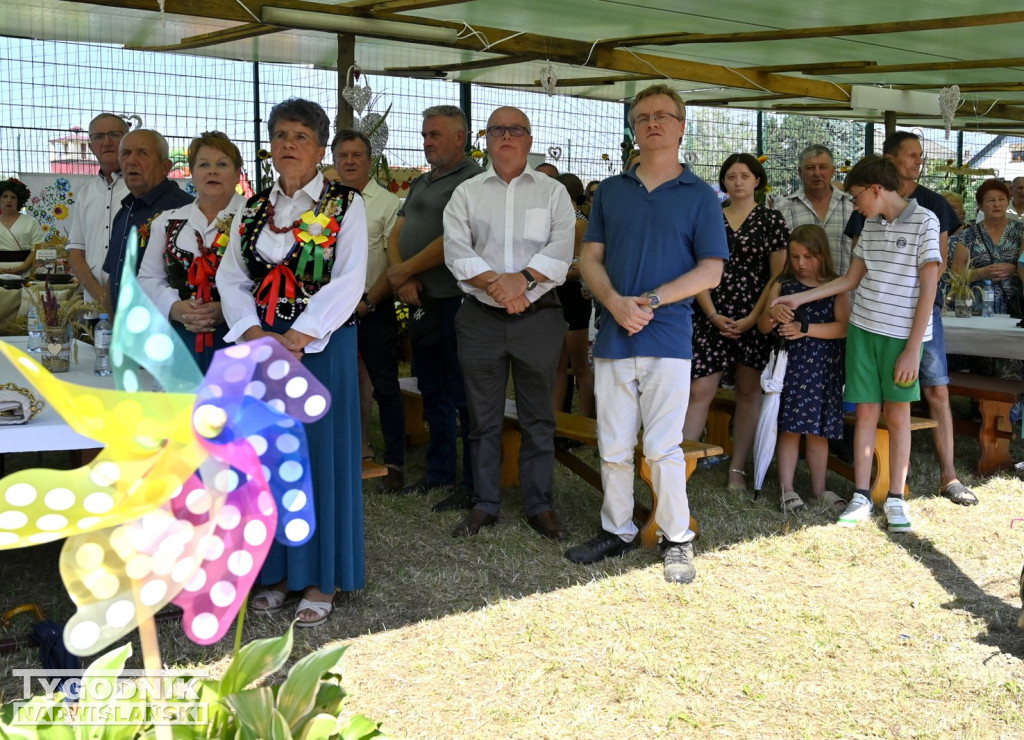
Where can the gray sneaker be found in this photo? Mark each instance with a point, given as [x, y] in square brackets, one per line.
[678, 557]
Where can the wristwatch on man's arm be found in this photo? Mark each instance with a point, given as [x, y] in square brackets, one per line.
[531, 281]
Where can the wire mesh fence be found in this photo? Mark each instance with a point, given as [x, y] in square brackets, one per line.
[53, 89]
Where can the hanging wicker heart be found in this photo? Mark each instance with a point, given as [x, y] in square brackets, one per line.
[379, 137]
[357, 97]
[555, 152]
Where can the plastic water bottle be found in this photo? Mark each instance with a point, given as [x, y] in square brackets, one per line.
[101, 343]
[35, 330]
[988, 299]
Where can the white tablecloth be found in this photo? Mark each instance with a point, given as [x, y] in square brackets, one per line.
[48, 430]
[995, 336]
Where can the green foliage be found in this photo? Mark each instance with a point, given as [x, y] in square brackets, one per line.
[305, 706]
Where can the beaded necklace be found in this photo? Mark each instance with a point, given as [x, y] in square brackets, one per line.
[274, 227]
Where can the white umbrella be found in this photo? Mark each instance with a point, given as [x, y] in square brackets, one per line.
[767, 422]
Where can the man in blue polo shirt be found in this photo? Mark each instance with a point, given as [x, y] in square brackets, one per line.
[655, 239]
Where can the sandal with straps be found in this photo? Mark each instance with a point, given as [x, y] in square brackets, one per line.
[791, 501]
[734, 487]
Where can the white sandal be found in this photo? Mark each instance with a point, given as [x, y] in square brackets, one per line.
[791, 501]
[274, 601]
[322, 609]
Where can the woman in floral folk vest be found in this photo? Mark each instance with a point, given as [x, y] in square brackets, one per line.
[294, 270]
[185, 245]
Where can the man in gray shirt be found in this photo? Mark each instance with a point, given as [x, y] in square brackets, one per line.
[418, 275]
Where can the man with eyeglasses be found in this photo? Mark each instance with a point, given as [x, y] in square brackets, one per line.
[96, 204]
[508, 240]
[654, 240]
[418, 275]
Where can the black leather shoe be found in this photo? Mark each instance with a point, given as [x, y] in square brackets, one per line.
[473, 523]
[547, 524]
[605, 545]
[394, 481]
[461, 499]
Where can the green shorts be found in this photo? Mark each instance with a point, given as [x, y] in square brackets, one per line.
[870, 362]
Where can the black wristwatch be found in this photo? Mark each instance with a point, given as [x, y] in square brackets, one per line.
[531, 281]
[370, 307]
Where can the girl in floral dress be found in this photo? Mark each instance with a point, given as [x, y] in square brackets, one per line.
[724, 333]
[811, 403]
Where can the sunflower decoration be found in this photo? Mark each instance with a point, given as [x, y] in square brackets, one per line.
[60, 211]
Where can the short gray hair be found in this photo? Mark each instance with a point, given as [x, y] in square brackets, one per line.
[351, 134]
[161, 143]
[305, 112]
[449, 111]
[113, 116]
[815, 150]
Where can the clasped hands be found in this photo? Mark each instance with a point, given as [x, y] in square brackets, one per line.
[293, 341]
[509, 290]
[196, 315]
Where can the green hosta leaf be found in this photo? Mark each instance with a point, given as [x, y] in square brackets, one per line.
[295, 698]
[320, 727]
[254, 710]
[279, 729]
[360, 727]
[257, 659]
[329, 698]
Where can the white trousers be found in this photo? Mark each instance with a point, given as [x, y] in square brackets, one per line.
[652, 392]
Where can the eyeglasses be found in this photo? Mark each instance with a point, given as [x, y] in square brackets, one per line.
[498, 131]
[853, 198]
[661, 117]
[100, 136]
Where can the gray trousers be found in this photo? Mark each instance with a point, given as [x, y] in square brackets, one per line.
[491, 344]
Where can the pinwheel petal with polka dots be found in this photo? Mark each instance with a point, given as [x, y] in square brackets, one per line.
[192, 487]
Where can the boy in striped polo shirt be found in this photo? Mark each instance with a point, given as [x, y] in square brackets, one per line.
[894, 272]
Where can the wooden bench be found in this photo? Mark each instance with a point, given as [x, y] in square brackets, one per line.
[995, 397]
[724, 406]
[416, 432]
[373, 469]
[583, 429]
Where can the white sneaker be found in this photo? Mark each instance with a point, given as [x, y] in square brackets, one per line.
[858, 510]
[897, 511]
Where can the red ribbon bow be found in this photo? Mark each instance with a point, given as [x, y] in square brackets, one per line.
[269, 291]
[200, 274]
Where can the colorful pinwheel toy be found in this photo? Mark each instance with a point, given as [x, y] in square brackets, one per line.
[193, 485]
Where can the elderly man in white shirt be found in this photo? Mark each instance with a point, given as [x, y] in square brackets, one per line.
[508, 240]
[98, 201]
[378, 329]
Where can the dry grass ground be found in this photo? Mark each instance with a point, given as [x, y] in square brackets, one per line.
[794, 627]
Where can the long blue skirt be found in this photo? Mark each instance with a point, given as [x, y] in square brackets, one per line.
[204, 358]
[334, 556]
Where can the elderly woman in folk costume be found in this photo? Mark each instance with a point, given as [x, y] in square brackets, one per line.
[294, 270]
[185, 246]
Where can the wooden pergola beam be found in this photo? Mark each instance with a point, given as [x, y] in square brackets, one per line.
[399, 6]
[668, 67]
[235, 33]
[864, 66]
[790, 34]
[463, 66]
[948, 66]
[969, 87]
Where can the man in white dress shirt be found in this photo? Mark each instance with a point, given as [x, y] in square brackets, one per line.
[378, 323]
[98, 202]
[508, 240]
